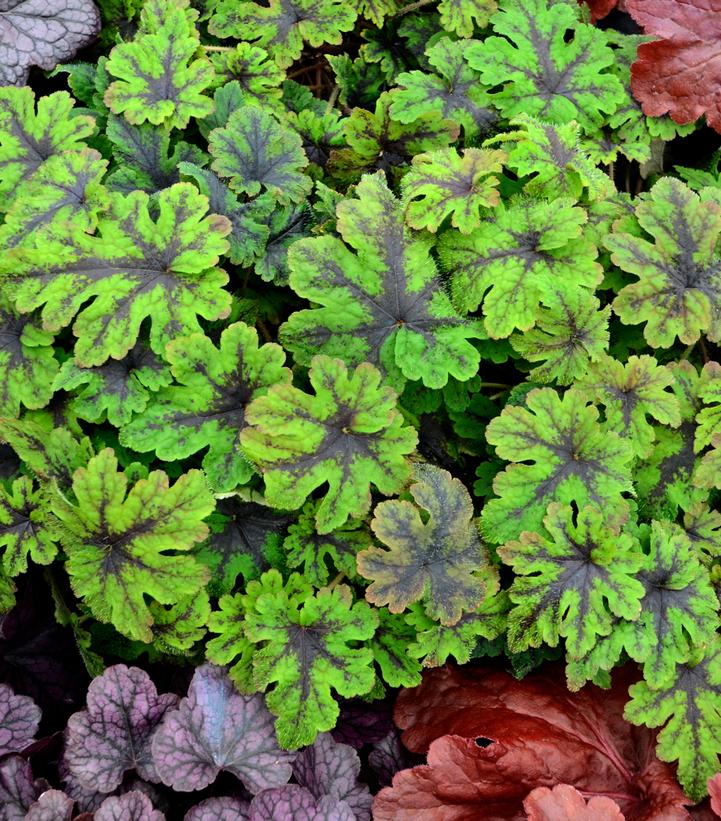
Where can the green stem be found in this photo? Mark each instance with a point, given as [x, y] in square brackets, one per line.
[332, 99]
[413, 6]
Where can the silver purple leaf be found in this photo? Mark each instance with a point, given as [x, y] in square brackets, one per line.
[294, 803]
[17, 788]
[215, 728]
[52, 805]
[19, 719]
[131, 806]
[42, 33]
[219, 809]
[327, 768]
[113, 735]
[388, 757]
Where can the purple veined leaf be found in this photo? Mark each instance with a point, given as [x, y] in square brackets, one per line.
[215, 728]
[86, 801]
[327, 768]
[52, 805]
[42, 33]
[113, 734]
[294, 803]
[131, 806]
[18, 790]
[19, 719]
[362, 723]
[388, 757]
[219, 809]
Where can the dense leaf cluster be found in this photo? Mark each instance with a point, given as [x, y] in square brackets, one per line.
[342, 339]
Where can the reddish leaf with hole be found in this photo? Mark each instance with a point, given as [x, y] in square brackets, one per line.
[494, 739]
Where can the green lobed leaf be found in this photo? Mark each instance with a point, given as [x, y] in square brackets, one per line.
[158, 78]
[348, 435]
[256, 152]
[231, 647]
[525, 254]
[459, 16]
[257, 76]
[678, 288]
[178, 628]
[323, 555]
[390, 646]
[286, 225]
[248, 231]
[679, 612]
[548, 64]
[115, 390]
[440, 560]
[227, 99]
[304, 647]
[207, 407]
[380, 49]
[144, 157]
[436, 643]
[284, 26]
[66, 193]
[118, 18]
[708, 471]
[442, 183]
[381, 302]
[31, 134]
[376, 10]
[569, 334]
[663, 480]
[572, 582]
[27, 364]
[702, 525]
[570, 457]
[688, 710]
[28, 528]
[698, 178]
[453, 91]
[553, 160]
[49, 453]
[629, 394]
[359, 81]
[320, 132]
[125, 545]
[158, 265]
[375, 141]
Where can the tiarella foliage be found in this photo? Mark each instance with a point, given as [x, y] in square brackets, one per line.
[344, 340]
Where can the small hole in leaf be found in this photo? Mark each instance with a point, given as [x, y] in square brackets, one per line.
[483, 742]
[568, 35]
